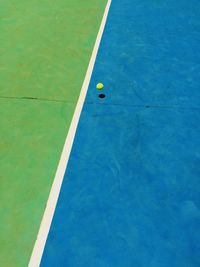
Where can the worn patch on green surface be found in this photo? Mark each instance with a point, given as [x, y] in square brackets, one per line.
[45, 48]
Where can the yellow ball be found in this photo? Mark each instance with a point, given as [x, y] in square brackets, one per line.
[100, 86]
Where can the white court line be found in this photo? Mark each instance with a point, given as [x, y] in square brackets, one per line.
[57, 183]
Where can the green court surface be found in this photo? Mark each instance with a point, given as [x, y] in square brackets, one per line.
[45, 47]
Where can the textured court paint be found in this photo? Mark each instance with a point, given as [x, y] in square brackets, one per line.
[45, 49]
[30, 149]
[131, 192]
[46, 45]
[155, 58]
[45, 225]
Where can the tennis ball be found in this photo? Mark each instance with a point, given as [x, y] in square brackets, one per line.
[100, 86]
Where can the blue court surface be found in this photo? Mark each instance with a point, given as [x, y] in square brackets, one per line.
[131, 191]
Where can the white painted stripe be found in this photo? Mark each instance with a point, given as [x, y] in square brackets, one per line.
[57, 183]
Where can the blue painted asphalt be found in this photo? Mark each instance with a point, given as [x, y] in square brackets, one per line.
[131, 192]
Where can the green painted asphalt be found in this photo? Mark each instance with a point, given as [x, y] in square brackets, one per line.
[45, 47]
